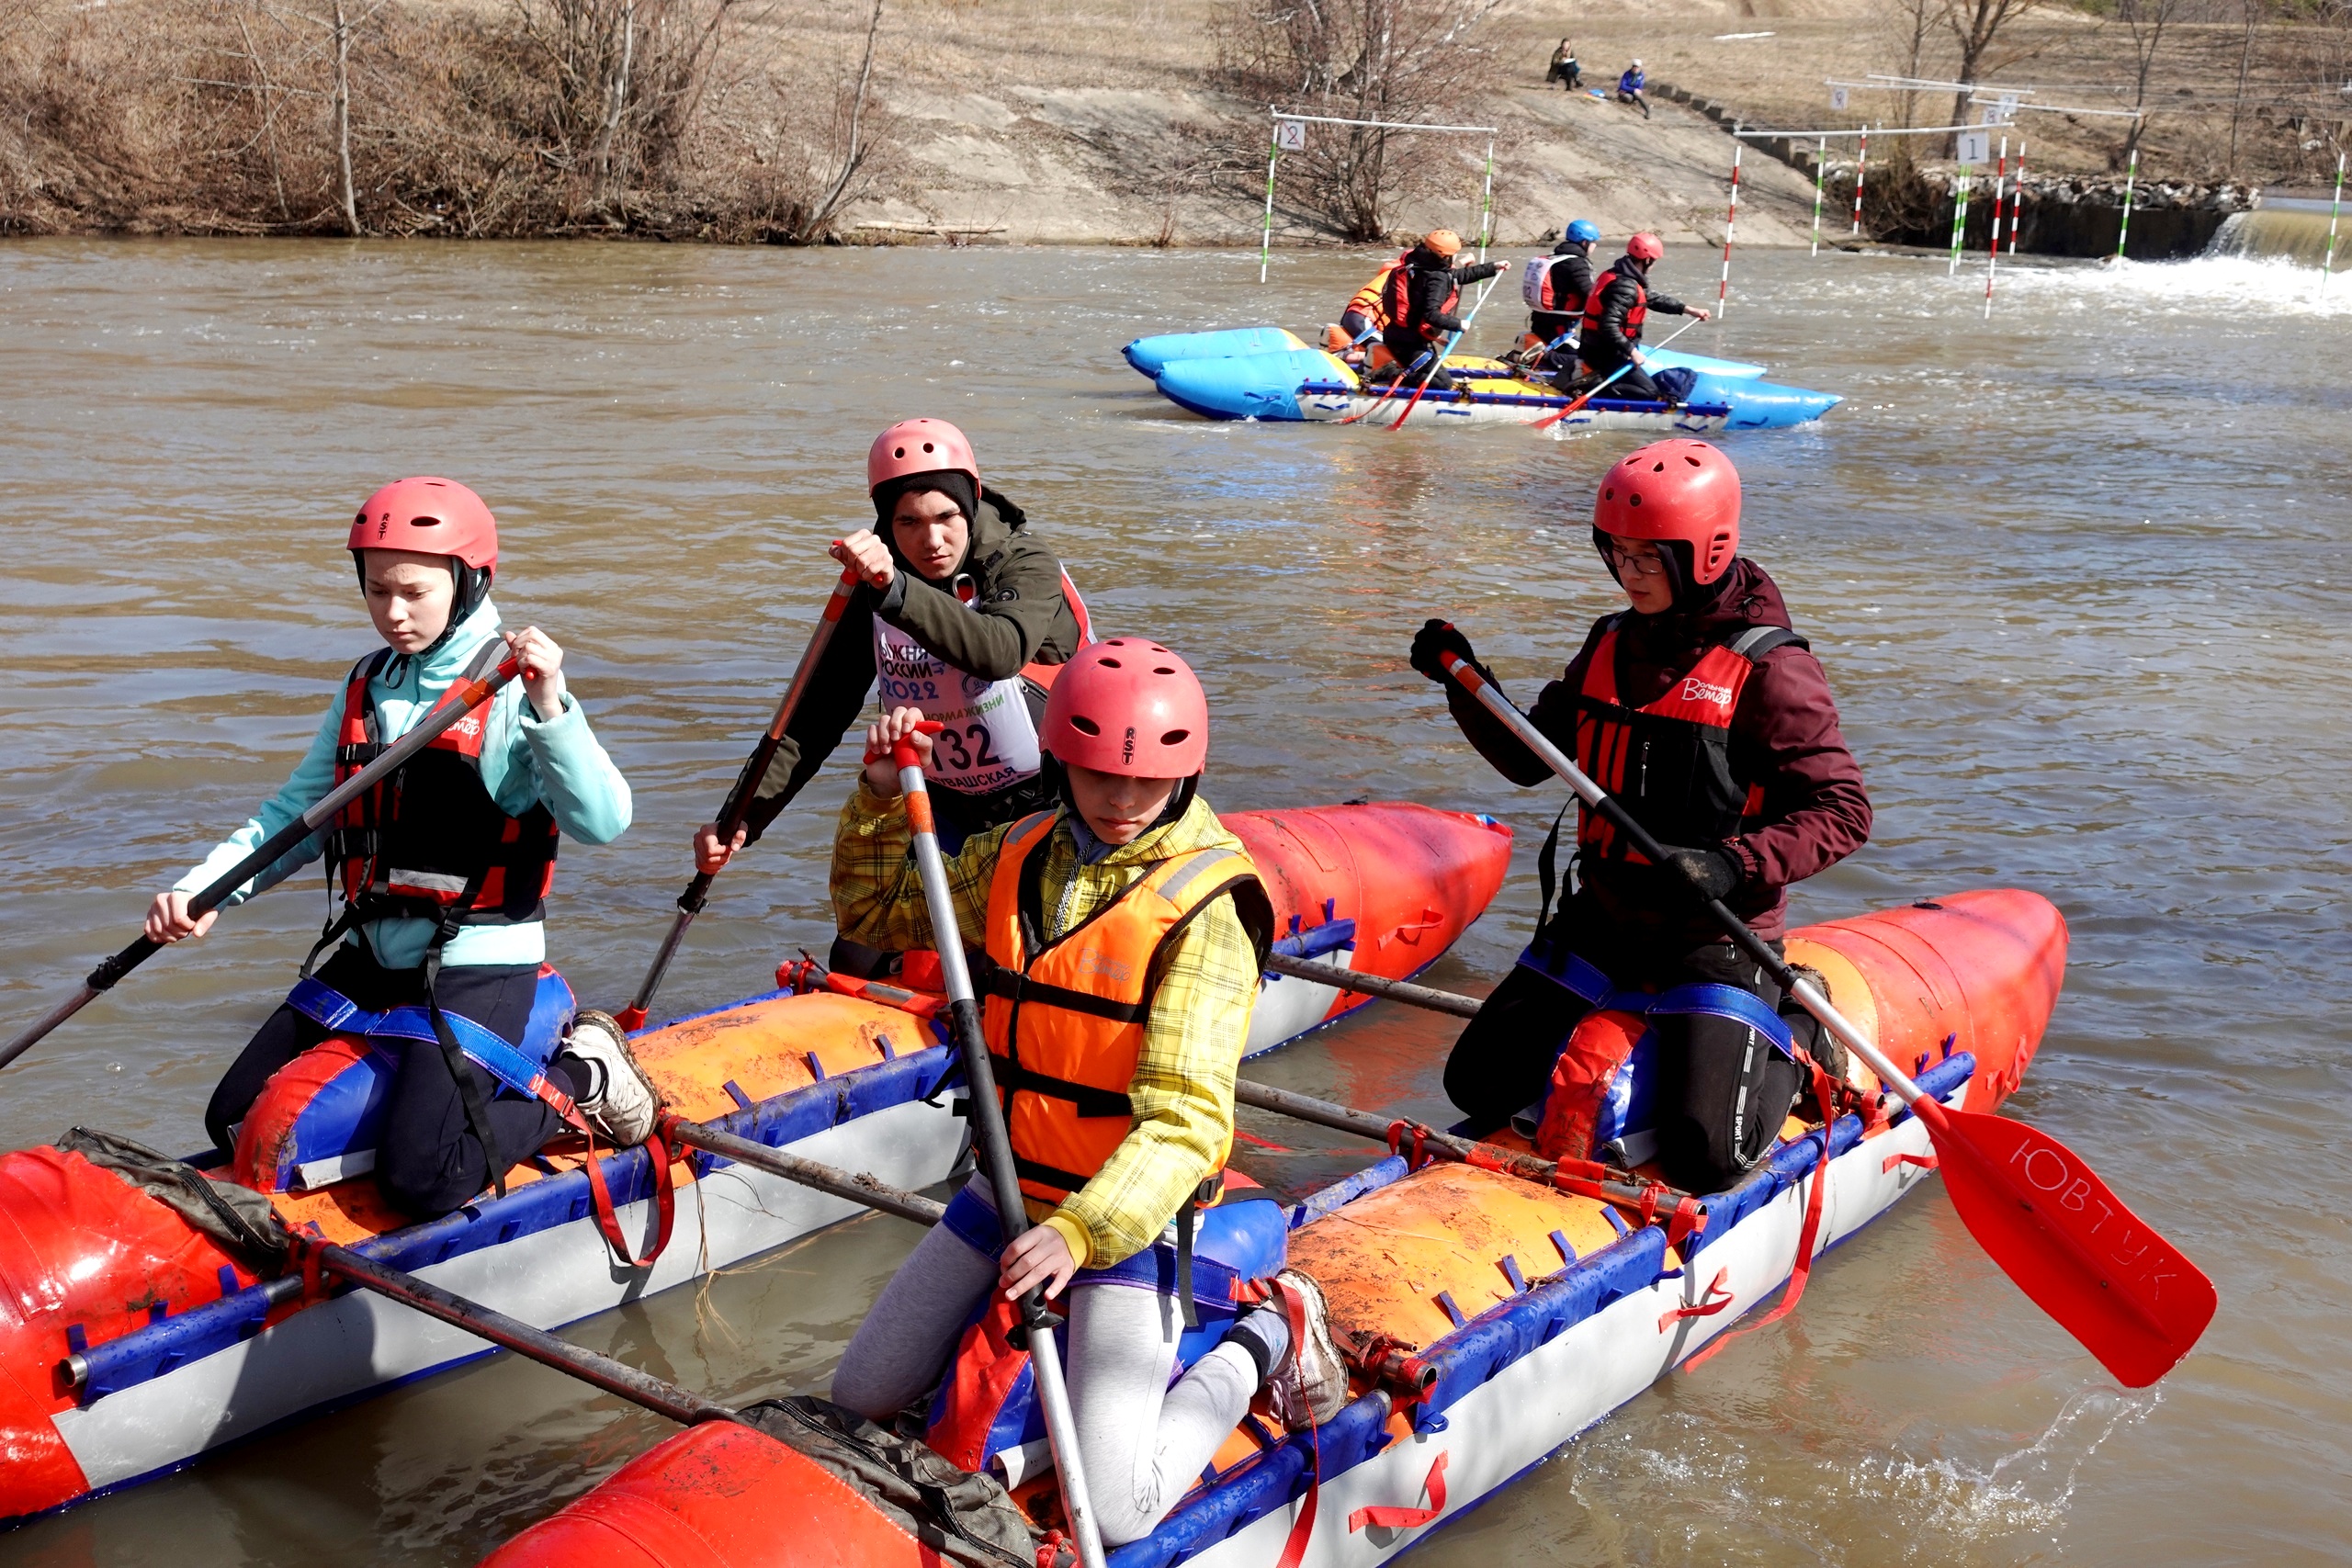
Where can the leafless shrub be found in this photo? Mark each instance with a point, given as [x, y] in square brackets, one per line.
[1393, 61]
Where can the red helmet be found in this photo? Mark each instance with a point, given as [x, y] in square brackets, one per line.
[919, 446]
[433, 518]
[1685, 495]
[1645, 247]
[1128, 707]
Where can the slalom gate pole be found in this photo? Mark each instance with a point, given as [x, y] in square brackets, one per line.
[2123, 230]
[1959, 216]
[1731, 221]
[1487, 206]
[2327, 268]
[1266, 238]
[1820, 162]
[1993, 245]
[1861, 168]
[2016, 201]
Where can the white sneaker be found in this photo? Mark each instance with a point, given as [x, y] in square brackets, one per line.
[623, 1106]
[1310, 1386]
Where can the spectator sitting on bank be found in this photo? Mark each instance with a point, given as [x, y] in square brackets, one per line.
[1564, 69]
[1629, 88]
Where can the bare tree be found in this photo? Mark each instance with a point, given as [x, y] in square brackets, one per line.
[2147, 20]
[845, 185]
[1392, 61]
[618, 81]
[1910, 23]
[341, 30]
[1977, 27]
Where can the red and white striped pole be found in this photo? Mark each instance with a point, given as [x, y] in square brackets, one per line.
[1861, 167]
[1731, 220]
[2017, 199]
[1993, 241]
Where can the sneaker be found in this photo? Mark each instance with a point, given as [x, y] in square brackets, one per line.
[1310, 1385]
[623, 1104]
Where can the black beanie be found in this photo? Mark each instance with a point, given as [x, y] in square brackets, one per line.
[954, 483]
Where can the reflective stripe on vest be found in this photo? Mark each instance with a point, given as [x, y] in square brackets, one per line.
[429, 842]
[1669, 761]
[1633, 318]
[1065, 1022]
[989, 741]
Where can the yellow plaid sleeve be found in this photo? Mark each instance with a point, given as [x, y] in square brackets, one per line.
[877, 891]
[1183, 1091]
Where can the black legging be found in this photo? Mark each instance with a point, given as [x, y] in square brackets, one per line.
[1722, 1094]
[1634, 385]
[428, 1162]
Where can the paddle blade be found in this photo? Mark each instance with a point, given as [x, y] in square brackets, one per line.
[2133, 1299]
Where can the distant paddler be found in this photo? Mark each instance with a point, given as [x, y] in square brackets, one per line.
[1419, 299]
[1556, 287]
[1610, 334]
[1366, 318]
[964, 613]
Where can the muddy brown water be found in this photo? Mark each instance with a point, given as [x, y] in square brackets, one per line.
[2080, 576]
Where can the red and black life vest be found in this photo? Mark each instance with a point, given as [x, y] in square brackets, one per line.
[1556, 295]
[1633, 318]
[1669, 761]
[1396, 299]
[429, 843]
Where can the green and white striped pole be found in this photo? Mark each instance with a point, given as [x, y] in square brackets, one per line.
[1820, 162]
[2327, 268]
[1487, 203]
[1959, 215]
[2130, 178]
[1266, 244]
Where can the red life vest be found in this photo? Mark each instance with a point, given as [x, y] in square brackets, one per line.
[1633, 318]
[1566, 302]
[429, 843]
[1669, 761]
[1396, 299]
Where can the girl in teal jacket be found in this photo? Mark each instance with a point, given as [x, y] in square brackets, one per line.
[440, 875]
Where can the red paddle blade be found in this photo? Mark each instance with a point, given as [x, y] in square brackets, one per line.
[2133, 1299]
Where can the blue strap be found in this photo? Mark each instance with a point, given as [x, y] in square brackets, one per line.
[1595, 990]
[333, 1010]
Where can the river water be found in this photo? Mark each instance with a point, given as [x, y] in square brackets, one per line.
[2040, 557]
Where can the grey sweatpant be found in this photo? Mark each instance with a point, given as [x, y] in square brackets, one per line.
[1142, 1442]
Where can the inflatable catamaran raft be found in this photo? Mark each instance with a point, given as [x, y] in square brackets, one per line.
[1268, 373]
[1491, 1311]
[131, 1342]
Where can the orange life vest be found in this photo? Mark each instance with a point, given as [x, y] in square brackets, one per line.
[1370, 301]
[1633, 318]
[429, 843]
[1064, 1020]
[1669, 761]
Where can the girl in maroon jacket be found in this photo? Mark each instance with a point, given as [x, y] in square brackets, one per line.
[1707, 714]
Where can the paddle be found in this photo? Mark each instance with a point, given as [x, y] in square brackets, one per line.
[1550, 420]
[2130, 1297]
[996, 1146]
[739, 799]
[858, 1187]
[455, 704]
[1389, 391]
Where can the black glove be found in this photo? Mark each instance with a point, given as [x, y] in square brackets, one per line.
[1438, 637]
[1712, 871]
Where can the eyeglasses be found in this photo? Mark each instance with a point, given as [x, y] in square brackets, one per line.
[1648, 565]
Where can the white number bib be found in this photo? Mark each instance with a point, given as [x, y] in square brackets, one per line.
[988, 739]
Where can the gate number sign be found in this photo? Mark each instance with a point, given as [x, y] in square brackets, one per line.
[1290, 135]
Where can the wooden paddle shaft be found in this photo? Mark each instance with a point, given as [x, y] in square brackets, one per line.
[859, 1187]
[1373, 985]
[739, 799]
[1747, 940]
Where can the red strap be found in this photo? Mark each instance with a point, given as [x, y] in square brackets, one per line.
[1303, 1528]
[1802, 1269]
[1688, 1217]
[1924, 1162]
[1406, 1519]
[665, 1201]
[1706, 1306]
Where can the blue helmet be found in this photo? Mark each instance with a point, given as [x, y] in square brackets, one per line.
[1584, 229]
